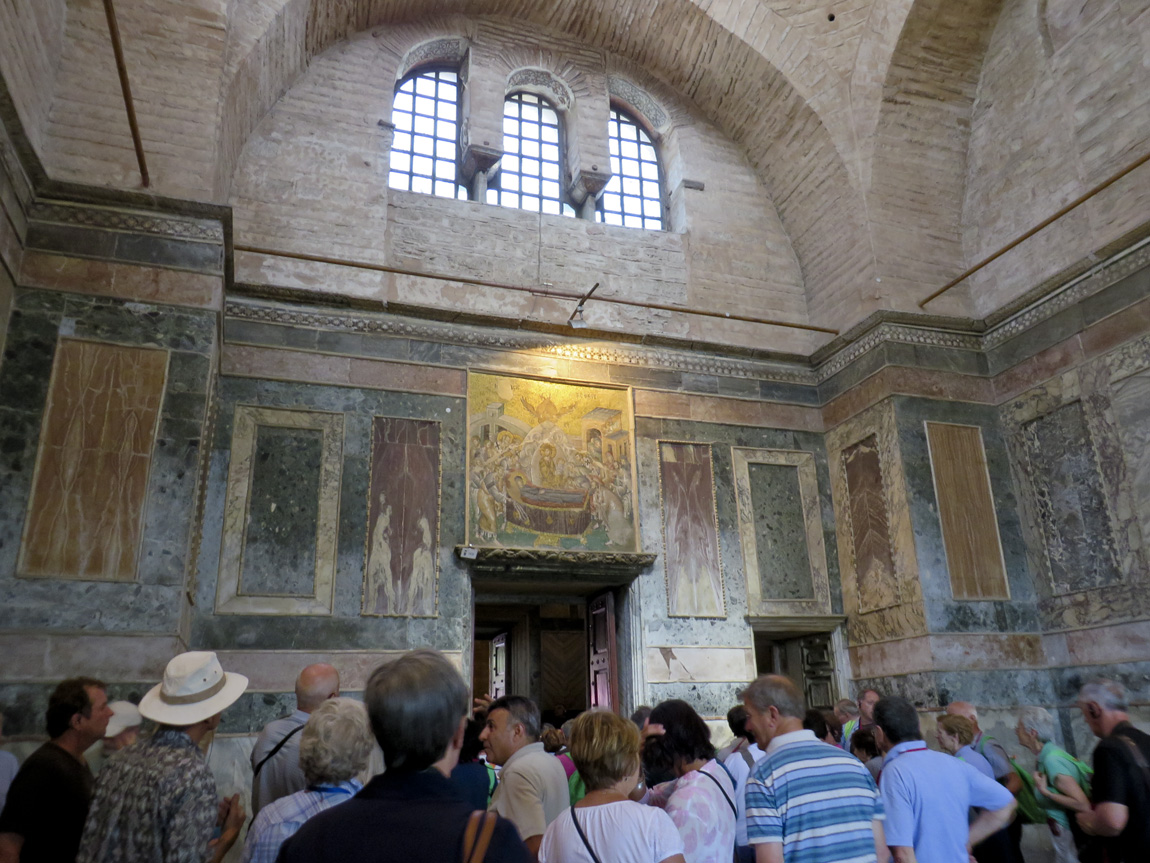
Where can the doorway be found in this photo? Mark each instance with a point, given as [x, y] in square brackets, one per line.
[808, 659]
[562, 655]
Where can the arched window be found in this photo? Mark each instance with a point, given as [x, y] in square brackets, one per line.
[633, 197]
[424, 148]
[529, 172]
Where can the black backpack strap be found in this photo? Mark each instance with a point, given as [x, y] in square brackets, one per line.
[583, 836]
[730, 802]
[276, 749]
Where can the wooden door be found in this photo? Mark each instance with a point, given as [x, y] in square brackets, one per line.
[499, 665]
[603, 676]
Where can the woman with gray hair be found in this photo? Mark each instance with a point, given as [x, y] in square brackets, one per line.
[1059, 782]
[334, 747]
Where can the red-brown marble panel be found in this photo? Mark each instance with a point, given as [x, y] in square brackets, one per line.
[86, 513]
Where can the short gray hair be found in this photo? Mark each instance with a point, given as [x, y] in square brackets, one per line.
[523, 711]
[774, 690]
[1107, 694]
[1038, 720]
[336, 743]
[845, 705]
[415, 704]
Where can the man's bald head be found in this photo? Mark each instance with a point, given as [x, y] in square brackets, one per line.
[963, 708]
[315, 685]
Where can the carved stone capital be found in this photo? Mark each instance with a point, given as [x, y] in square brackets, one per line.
[588, 183]
[479, 157]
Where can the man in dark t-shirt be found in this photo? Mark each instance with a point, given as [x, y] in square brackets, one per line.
[48, 801]
[1121, 787]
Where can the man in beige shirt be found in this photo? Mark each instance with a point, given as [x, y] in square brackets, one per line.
[532, 787]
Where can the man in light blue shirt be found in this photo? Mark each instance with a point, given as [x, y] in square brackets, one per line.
[927, 795]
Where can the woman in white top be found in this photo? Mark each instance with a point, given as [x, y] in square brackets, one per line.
[701, 799]
[606, 826]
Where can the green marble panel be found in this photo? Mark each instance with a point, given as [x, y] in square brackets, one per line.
[780, 532]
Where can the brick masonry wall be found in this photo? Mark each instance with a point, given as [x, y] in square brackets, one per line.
[31, 35]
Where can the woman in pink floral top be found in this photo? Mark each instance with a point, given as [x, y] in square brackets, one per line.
[701, 799]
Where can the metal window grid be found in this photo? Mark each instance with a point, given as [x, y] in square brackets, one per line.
[633, 196]
[424, 148]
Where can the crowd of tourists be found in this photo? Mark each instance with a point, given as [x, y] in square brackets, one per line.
[414, 772]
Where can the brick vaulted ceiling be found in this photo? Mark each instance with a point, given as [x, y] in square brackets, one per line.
[864, 130]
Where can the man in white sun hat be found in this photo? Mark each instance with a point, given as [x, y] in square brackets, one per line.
[123, 729]
[156, 801]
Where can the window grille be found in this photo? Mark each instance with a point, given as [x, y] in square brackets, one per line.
[424, 148]
[633, 197]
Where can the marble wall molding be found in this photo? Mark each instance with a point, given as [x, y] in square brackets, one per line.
[230, 596]
[699, 664]
[907, 616]
[337, 370]
[128, 281]
[950, 652]
[48, 657]
[803, 464]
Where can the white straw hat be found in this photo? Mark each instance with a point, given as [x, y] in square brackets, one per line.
[194, 688]
[125, 715]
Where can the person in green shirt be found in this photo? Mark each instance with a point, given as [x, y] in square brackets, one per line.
[1060, 782]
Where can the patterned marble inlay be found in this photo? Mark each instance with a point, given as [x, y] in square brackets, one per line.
[1070, 498]
[121, 220]
[781, 532]
[248, 463]
[870, 527]
[89, 491]
[1132, 410]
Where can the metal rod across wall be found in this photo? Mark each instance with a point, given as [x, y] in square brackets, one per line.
[539, 292]
[122, 69]
[1073, 205]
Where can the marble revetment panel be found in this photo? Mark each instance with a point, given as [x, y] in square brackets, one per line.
[403, 518]
[966, 512]
[781, 532]
[882, 597]
[281, 513]
[691, 558]
[1131, 402]
[870, 526]
[89, 492]
[1070, 500]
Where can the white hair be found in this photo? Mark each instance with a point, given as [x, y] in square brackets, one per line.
[1039, 721]
[336, 743]
[1107, 694]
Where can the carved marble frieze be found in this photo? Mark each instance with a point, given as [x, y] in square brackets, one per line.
[281, 513]
[90, 487]
[882, 597]
[692, 562]
[176, 227]
[1078, 450]
[781, 532]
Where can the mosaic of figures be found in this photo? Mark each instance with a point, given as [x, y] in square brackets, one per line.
[550, 465]
[403, 518]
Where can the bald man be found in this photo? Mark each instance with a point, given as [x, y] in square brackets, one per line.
[275, 757]
[1006, 845]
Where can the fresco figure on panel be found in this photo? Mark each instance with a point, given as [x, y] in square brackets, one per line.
[379, 562]
[421, 585]
[403, 518]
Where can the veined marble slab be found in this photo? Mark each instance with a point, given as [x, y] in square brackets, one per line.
[680, 664]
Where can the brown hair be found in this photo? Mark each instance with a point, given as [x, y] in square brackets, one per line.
[604, 747]
[958, 726]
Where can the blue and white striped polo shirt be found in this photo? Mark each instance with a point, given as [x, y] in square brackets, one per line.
[815, 799]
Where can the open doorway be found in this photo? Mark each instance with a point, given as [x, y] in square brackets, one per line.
[809, 660]
[562, 655]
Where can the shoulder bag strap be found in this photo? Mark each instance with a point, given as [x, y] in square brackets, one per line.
[730, 802]
[583, 836]
[276, 749]
[750, 759]
[477, 836]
